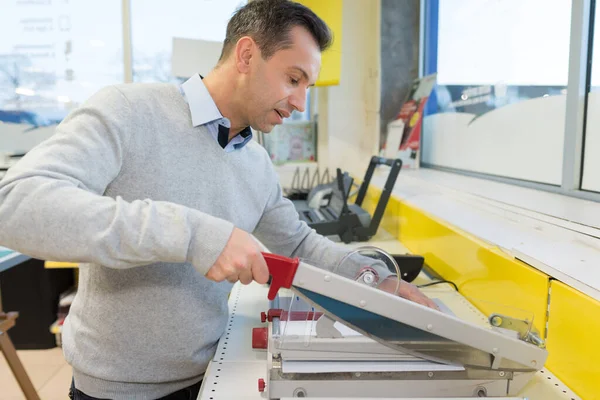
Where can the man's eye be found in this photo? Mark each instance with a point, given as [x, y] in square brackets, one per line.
[294, 81]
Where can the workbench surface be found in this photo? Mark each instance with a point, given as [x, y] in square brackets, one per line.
[236, 367]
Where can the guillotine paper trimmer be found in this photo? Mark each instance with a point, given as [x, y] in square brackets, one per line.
[355, 340]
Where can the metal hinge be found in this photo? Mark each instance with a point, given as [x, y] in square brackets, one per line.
[524, 328]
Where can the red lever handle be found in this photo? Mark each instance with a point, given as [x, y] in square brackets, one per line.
[282, 270]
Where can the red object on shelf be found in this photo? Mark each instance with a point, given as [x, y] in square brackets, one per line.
[260, 338]
[294, 316]
[261, 385]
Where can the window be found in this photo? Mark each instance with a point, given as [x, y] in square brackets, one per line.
[591, 155]
[53, 56]
[154, 24]
[500, 100]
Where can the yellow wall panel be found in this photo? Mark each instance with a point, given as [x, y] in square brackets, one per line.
[486, 274]
[60, 264]
[329, 11]
[573, 340]
[492, 280]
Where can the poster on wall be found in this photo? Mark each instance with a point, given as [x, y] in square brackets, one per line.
[404, 132]
[293, 141]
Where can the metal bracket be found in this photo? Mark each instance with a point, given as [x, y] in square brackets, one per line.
[524, 328]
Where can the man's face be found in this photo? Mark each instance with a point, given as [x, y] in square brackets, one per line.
[278, 86]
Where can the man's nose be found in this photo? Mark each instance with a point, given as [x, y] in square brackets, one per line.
[298, 100]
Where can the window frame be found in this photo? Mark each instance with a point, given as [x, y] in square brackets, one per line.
[578, 88]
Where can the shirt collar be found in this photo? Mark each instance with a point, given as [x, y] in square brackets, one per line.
[204, 111]
[202, 105]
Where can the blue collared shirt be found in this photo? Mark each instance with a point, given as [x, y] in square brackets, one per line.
[204, 111]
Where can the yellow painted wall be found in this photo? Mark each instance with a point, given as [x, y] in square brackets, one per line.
[573, 340]
[492, 280]
[349, 112]
[482, 271]
[329, 11]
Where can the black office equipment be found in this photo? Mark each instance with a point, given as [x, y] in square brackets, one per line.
[352, 222]
[301, 190]
[410, 265]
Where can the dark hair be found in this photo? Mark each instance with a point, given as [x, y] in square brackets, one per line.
[269, 22]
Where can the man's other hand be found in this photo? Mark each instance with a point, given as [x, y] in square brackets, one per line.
[407, 291]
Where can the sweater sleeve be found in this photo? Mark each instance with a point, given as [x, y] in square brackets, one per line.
[52, 202]
[282, 231]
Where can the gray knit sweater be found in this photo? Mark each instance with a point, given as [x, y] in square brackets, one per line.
[146, 202]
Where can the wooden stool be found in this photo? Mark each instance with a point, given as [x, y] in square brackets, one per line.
[7, 321]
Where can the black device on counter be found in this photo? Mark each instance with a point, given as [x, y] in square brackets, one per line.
[350, 221]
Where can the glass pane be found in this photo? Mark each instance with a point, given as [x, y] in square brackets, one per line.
[154, 24]
[499, 104]
[53, 56]
[591, 155]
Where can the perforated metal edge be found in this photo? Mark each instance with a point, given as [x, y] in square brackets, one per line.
[234, 299]
[560, 389]
[227, 376]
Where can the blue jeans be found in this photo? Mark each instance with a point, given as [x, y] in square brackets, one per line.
[188, 393]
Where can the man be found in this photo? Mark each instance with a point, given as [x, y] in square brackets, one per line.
[154, 189]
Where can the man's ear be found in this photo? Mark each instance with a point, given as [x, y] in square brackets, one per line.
[245, 50]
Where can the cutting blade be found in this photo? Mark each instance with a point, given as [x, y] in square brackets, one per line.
[383, 330]
[400, 324]
[374, 326]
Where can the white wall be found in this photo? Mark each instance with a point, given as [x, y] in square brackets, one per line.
[349, 112]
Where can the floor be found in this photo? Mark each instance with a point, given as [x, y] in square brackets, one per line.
[47, 369]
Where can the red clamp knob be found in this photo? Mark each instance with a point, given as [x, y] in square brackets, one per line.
[263, 317]
[260, 338]
[261, 385]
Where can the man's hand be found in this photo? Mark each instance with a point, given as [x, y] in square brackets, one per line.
[407, 291]
[241, 259]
